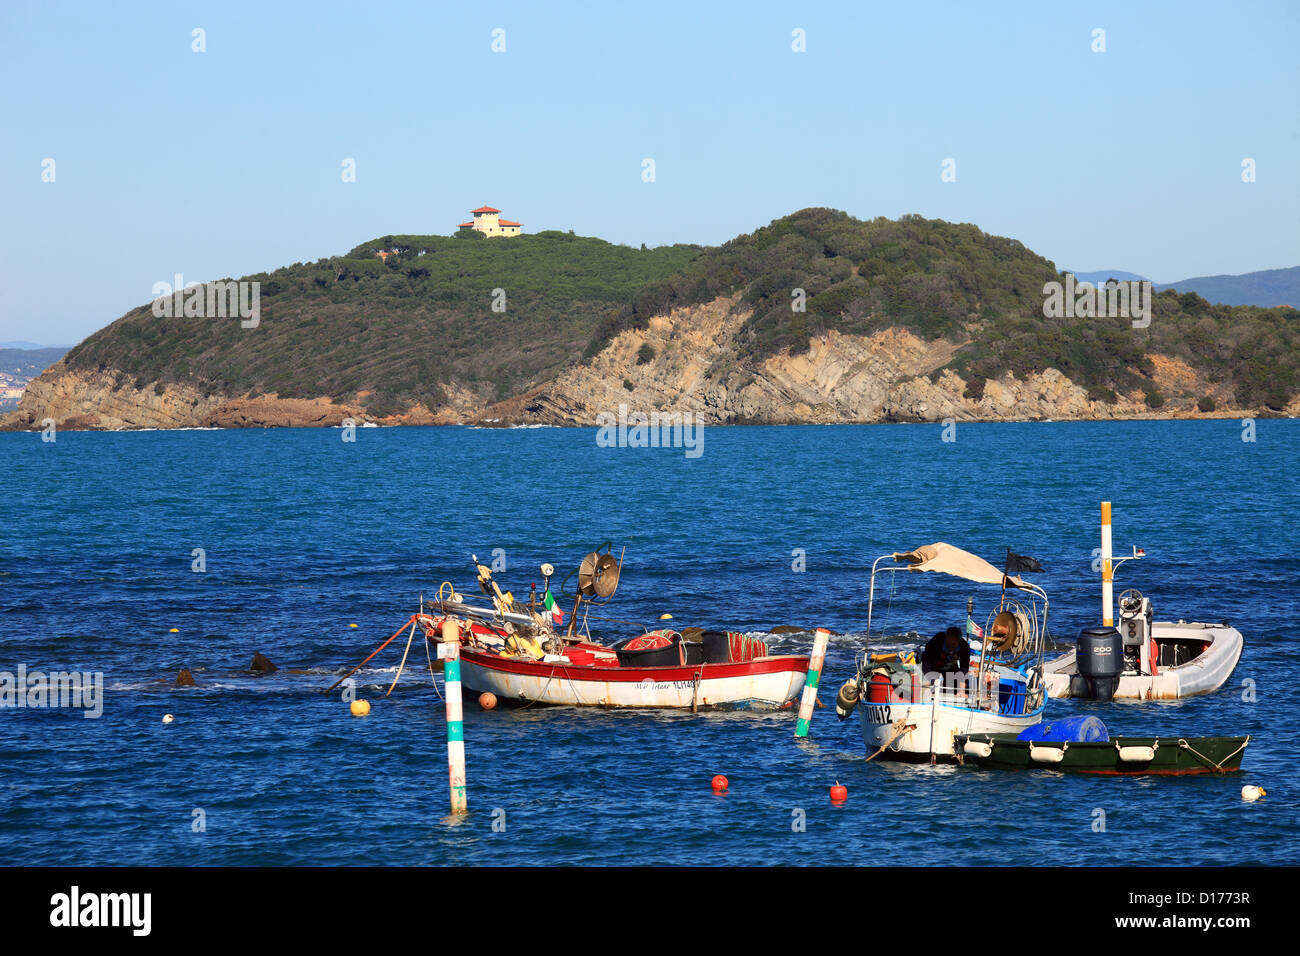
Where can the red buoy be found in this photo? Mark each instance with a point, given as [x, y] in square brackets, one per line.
[839, 793]
[487, 700]
[719, 784]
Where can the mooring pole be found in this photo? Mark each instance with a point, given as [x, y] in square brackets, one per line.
[809, 701]
[449, 652]
[934, 714]
[1107, 569]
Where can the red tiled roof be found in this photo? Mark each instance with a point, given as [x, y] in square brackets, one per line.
[484, 209]
[466, 225]
[507, 222]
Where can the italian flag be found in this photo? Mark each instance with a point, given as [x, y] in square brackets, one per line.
[973, 628]
[557, 615]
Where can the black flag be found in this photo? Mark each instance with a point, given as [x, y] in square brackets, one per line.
[1021, 563]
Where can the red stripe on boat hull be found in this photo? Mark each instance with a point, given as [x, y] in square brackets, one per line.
[634, 675]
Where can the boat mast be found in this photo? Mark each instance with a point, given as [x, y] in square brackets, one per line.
[1107, 571]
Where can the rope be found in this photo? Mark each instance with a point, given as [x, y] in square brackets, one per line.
[572, 686]
[432, 679]
[402, 666]
[373, 653]
[889, 607]
[1217, 767]
[904, 730]
[543, 693]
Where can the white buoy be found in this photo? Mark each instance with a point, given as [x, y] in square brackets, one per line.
[168, 718]
[1250, 794]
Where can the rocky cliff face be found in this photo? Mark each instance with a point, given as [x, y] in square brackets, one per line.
[105, 399]
[686, 361]
[889, 376]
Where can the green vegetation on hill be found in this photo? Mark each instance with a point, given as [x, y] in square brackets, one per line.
[396, 327]
[399, 328]
[928, 276]
[945, 280]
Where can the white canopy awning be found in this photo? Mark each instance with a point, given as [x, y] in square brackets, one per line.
[946, 559]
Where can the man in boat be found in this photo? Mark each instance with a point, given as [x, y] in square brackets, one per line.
[946, 653]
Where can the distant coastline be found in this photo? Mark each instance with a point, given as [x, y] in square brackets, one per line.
[816, 318]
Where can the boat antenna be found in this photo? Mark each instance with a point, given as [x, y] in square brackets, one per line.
[1006, 570]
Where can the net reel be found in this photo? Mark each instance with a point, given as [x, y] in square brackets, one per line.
[1012, 631]
[598, 575]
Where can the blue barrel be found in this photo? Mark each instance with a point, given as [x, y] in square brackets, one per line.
[1068, 729]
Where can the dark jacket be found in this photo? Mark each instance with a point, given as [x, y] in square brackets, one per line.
[936, 659]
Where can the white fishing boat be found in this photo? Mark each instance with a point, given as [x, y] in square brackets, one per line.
[1141, 659]
[911, 709]
[591, 675]
[520, 653]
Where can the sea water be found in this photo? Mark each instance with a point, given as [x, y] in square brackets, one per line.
[279, 541]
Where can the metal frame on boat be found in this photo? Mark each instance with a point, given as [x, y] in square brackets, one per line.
[908, 715]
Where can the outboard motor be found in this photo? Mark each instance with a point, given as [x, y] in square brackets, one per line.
[1099, 661]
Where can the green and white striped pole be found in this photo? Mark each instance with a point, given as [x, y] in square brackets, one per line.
[809, 701]
[449, 651]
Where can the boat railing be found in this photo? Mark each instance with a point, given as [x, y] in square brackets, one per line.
[975, 690]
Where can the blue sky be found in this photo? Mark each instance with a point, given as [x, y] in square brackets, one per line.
[228, 162]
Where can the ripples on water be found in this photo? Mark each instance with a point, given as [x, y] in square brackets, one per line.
[305, 534]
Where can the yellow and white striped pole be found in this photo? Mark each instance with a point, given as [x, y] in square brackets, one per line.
[809, 700]
[1107, 568]
[449, 651]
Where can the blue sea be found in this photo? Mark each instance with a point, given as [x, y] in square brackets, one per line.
[303, 535]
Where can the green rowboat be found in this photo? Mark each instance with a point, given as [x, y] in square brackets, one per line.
[1119, 756]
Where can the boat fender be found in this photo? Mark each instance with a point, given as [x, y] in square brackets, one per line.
[1047, 754]
[847, 699]
[1136, 754]
[978, 748]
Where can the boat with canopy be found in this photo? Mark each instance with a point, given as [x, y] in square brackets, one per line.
[913, 707]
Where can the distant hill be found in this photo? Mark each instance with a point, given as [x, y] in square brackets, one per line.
[18, 366]
[399, 330]
[1098, 278]
[1266, 289]
[441, 328]
[31, 346]
[17, 361]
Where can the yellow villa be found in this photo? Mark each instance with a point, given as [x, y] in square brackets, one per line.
[489, 222]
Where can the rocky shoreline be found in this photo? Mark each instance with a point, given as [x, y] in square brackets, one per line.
[684, 362]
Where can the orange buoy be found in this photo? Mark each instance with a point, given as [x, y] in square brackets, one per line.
[839, 793]
[720, 784]
[487, 700]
